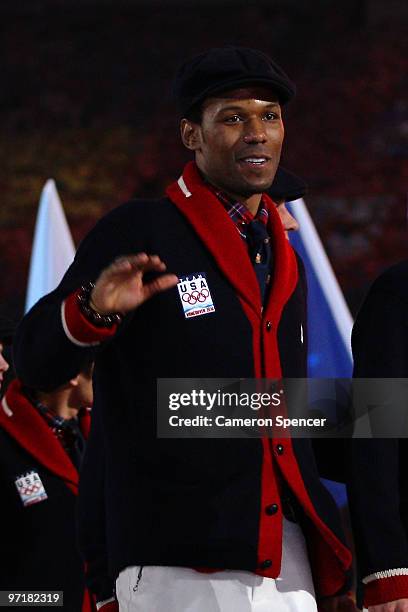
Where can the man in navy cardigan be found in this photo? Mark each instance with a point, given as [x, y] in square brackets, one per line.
[179, 513]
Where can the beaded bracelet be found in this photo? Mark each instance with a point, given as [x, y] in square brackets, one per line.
[94, 317]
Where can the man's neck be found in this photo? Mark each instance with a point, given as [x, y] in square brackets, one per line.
[251, 202]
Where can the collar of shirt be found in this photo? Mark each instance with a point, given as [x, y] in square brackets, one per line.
[239, 213]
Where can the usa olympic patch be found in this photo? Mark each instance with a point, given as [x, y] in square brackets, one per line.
[195, 295]
[30, 488]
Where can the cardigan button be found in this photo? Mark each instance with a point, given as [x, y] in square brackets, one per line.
[268, 326]
[272, 509]
[265, 564]
[279, 449]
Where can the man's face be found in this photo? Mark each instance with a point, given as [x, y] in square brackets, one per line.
[4, 366]
[82, 393]
[288, 221]
[238, 142]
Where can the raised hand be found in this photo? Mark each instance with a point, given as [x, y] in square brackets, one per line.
[120, 287]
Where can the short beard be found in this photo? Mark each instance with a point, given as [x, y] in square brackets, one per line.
[250, 192]
[247, 191]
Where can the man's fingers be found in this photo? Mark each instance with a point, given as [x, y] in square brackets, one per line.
[161, 283]
[126, 274]
[140, 262]
[154, 264]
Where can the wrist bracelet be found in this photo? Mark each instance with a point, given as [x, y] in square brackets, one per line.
[94, 317]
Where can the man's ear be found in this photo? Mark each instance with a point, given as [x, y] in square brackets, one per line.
[190, 134]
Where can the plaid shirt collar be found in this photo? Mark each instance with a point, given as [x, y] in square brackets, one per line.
[239, 213]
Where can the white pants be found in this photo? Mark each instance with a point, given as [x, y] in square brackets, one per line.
[180, 589]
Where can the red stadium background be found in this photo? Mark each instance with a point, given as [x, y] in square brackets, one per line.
[84, 101]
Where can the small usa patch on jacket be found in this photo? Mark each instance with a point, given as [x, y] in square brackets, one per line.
[30, 488]
[195, 295]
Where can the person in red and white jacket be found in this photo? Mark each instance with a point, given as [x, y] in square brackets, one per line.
[42, 439]
[251, 513]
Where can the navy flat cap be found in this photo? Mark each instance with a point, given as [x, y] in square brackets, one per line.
[226, 68]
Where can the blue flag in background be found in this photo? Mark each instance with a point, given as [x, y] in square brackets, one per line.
[329, 319]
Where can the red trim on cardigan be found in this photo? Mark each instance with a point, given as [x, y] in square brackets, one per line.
[32, 433]
[385, 589]
[112, 606]
[329, 556]
[88, 603]
[270, 526]
[82, 330]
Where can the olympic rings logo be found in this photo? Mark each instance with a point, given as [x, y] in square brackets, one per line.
[196, 296]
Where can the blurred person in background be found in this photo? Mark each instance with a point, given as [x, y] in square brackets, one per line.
[42, 440]
[198, 525]
[7, 328]
[377, 485]
[287, 187]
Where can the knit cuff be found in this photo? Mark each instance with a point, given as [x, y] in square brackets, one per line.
[77, 327]
[386, 586]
